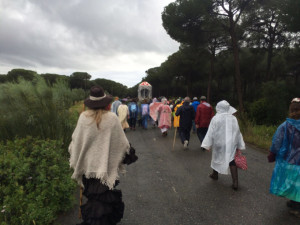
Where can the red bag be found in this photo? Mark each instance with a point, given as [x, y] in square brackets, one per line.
[240, 160]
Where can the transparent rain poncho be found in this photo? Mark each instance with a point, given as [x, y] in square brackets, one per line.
[286, 174]
[223, 137]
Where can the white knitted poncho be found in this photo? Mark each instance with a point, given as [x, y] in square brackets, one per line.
[98, 153]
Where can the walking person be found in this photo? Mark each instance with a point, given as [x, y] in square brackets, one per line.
[176, 119]
[98, 151]
[153, 109]
[202, 119]
[164, 117]
[195, 104]
[285, 150]
[145, 114]
[115, 105]
[224, 138]
[133, 113]
[123, 114]
[187, 114]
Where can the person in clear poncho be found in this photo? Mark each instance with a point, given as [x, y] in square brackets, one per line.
[224, 138]
[285, 150]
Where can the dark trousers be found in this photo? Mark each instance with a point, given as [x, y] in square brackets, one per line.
[201, 132]
[184, 133]
[132, 122]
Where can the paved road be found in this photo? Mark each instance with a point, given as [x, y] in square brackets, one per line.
[172, 187]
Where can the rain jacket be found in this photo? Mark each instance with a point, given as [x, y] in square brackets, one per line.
[286, 174]
[164, 112]
[223, 137]
[204, 114]
[187, 114]
[177, 118]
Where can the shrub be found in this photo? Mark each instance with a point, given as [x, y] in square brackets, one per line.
[35, 181]
[272, 108]
[35, 109]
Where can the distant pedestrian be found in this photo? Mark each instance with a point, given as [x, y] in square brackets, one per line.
[285, 150]
[164, 117]
[123, 114]
[133, 113]
[139, 116]
[153, 122]
[224, 138]
[178, 103]
[98, 151]
[187, 114]
[195, 104]
[204, 114]
[145, 114]
[115, 105]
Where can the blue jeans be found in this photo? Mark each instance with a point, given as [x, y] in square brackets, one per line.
[145, 121]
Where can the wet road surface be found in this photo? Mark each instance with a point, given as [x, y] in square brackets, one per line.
[171, 187]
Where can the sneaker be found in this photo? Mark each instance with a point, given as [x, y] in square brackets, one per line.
[185, 144]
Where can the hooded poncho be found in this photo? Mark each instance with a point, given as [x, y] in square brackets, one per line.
[286, 174]
[98, 153]
[223, 137]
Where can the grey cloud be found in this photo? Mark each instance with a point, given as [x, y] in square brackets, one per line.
[81, 34]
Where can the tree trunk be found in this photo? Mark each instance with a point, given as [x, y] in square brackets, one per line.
[212, 69]
[237, 64]
[269, 60]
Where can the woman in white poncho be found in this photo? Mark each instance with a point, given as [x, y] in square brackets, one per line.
[224, 138]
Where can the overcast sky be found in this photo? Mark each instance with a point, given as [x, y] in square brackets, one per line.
[117, 40]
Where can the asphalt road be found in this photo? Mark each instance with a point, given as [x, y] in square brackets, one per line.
[171, 187]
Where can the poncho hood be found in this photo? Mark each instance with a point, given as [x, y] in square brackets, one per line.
[224, 107]
[295, 123]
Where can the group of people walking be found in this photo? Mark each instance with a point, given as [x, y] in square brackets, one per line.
[99, 148]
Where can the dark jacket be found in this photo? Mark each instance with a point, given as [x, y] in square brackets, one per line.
[187, 114]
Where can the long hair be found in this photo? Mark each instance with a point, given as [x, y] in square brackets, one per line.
[98, 113]
[294, 110]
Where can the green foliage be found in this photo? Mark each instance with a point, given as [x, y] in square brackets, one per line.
[36, 110]
[258, 135]
[112, 87]
[53, 78]
[258, 110]
[79, 80]
[35, 181]
[16, 74]
[272, 108]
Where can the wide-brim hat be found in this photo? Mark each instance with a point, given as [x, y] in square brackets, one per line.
[97, 99]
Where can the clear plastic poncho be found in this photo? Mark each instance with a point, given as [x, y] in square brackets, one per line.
[223, 137]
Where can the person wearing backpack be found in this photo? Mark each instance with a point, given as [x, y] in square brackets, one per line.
[145, 114]
[133, 112]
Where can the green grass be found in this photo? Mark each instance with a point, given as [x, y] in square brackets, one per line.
[258, 135]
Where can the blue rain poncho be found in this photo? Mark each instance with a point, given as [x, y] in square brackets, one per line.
[286, 174]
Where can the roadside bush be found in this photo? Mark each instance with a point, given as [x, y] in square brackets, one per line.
[272, 108]
[36, 109]
[35, 181]
[258, 135]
